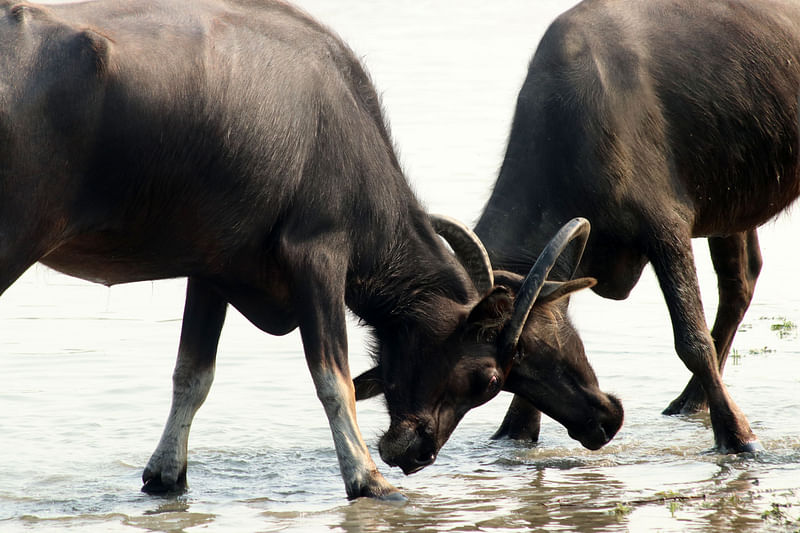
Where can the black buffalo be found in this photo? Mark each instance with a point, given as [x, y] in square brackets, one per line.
[549, 370]
[241, 145]
[658, 121]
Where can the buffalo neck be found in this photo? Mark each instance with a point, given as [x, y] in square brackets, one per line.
[414, 280]
[515, 226]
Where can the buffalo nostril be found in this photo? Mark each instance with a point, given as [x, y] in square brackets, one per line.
[426, 459]
[418, 463]
[426, 450]
[414, 464]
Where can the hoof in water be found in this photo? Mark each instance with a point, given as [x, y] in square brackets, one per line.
[753, 446]
[396, 498]
[155, 486]
[685, 406]
[750, 447]
[376, 488]
[519, 434]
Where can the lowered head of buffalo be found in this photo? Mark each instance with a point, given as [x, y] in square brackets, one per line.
[465, 374]
[553, 373]
[508, 341]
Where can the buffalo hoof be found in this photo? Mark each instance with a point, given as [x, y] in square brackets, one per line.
[522, 422]
[376, 487]
[687, 404]
[691, 401]
[393, 497]
[154, 484]
[522, 433]
[753, 446]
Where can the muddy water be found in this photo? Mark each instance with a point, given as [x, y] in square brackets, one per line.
[85, 370]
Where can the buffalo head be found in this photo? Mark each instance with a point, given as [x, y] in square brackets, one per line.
[507, 339]
[552, 371]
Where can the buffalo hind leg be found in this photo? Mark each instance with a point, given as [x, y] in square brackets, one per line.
[673, 262]
[203, 316]
[522, 421]
[737, 262]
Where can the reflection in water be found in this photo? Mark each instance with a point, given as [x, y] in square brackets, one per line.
[172, 516]
[579, 496]
[176, 504]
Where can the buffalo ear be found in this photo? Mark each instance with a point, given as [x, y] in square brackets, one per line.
[368, 384]
[495, 305]
[555, 290]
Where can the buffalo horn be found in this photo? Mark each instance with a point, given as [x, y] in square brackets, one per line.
[469, 250]
[577, 228]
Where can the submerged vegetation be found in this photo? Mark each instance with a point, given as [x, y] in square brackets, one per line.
[621, 510]
[782, 509]
[784, 328]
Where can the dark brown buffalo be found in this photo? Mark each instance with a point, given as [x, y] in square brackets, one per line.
[659, 121]
[240, 144]
[549, 370]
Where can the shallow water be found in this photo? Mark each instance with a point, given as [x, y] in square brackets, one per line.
[85, 370]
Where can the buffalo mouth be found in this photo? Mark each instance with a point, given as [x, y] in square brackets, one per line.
[416, 464]
[593, 440]
[603, 427]
[409, 447]
[411, 460]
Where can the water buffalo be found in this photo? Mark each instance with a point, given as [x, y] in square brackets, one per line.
[240, 144]
[658, 121]
[549, 371]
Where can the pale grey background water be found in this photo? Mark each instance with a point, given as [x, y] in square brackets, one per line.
[85, 370]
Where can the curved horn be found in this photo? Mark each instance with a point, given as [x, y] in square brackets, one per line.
[469, 250]
[577, 228]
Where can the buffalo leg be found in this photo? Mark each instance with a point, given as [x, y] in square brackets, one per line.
[673, 262]
[19, 252]
[522, 421]
[9, 274]
[320, 310]
[203, 316]
[737, 262]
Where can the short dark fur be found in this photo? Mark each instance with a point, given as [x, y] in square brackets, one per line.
[551, 372]
[240, 144]
[658, 121]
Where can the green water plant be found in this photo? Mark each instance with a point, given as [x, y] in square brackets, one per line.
[761, 351]
[621, 510]
[784, 327]
[669, 495]
[777, 513]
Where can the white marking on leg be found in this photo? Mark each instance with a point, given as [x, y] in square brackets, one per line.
[338, 397]
[190, 389]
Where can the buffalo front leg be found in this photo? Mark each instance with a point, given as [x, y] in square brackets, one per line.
[737, 262]
[321, 317]
[673, 263]
[203, 316]
[522, 421]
